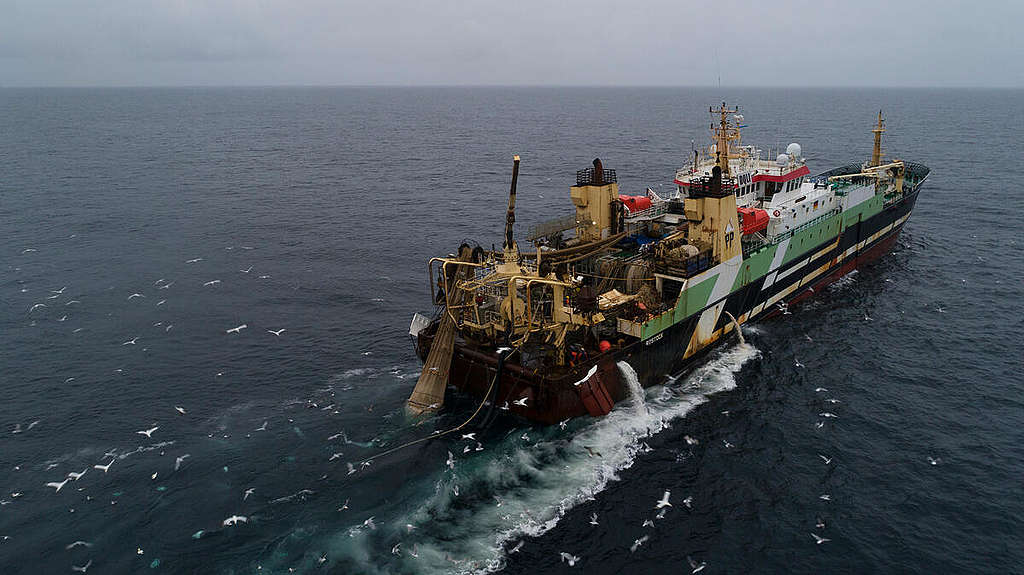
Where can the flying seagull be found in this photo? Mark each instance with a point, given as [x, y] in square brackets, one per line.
[663, 502]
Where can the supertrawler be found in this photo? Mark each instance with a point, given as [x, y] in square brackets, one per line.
[647, 283]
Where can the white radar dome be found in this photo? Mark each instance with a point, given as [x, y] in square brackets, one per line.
[793, 150]
[782, 160]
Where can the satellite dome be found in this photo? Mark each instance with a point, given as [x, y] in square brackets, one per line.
[782, 160]
[793, 150]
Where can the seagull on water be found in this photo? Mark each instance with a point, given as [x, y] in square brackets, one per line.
[697, 567]
[569, 558]
[663, 502]
[827, 460]
[57, 485]
[237, 329]
[148, 432]
[819, 539]
[277, 333]
[235, 520]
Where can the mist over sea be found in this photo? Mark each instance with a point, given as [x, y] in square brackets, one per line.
[140, 225]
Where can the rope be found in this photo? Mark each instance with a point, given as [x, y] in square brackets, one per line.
[447, 431]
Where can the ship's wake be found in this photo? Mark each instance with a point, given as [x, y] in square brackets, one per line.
[466, 517]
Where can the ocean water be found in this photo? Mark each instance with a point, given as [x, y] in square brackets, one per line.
[315, 210]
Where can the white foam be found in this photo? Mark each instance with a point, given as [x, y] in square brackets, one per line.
[538, 482]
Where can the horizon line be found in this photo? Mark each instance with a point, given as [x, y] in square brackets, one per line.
[588, 86]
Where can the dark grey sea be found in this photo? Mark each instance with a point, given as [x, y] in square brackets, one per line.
[314, 211]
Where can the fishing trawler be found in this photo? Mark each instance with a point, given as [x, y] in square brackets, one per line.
[647, 283]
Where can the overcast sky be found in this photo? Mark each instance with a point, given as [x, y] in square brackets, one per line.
[594, 42]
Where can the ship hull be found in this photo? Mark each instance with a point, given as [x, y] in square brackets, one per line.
[550, 400]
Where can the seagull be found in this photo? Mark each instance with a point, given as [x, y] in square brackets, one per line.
[153, 477]
[562, 424]
[56, 485]
[663, 502]
[83, 568]
[455, 490]
[160, 303]
[38, 305]
[827, 460]
[246, 271]
[465, 449]
[106, 467]
[194, 261]
[727, 444]
[479, 446]
[797, 363]
[369, 523]
[647, 523]
[469, 436]
[827, 414]
[333, 457]
[277, 333]
[77, 543]
[593, 519]
[819, 425]
[247, 493]
[637, 543]
[234, 520]
[819, 389]
[524, 437]
[517, 547]
[344, 506]
[504, 407]
[134, 295]
[262, 427]
[211, 283]
[591, 452]
[415, 551]
[351, 469]
[237, 329]
[807, 337]
[165, 286]
[502, 350]
[451, 461]
[521, 402]
[866, 317]
[833, 401]
[819, 539]
[178, 460]
[571, 559]
[690, 440]
[179, 409]
[409, 527]
[688, 502]
[820, 524]
[396, 550]
[75, 476]
[131, 341]
[148, 432]
[64, 318]
[933, 461]
[825, 497]
[697, 567]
